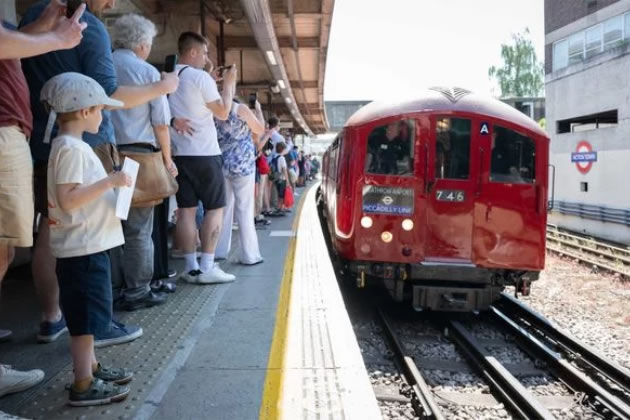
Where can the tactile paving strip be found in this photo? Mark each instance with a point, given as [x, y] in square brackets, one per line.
[165, 328]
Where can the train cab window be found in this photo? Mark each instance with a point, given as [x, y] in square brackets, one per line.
[452, 148]
[513, 157]
[390, 149]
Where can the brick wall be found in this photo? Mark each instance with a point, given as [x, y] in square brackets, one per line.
[559, 13]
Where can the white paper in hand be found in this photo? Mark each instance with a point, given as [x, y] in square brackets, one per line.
[123, 201]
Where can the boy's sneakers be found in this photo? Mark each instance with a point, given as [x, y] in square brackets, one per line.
[214, 276]
[119, 376]
[98, 393]
[118, 334]
[12, 380]
[50, 331]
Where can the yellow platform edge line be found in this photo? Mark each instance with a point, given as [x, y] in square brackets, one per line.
[272, 392]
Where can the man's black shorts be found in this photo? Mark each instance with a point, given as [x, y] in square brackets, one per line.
[200, 178]
[85, 293]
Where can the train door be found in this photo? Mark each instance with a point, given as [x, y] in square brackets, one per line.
[511, 206]
[451, 171]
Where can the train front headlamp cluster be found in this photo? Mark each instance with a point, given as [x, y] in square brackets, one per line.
[407, 224]
[366, 222]
[387, 237]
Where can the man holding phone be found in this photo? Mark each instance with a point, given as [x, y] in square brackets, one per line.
[198, 157]
[93, 58]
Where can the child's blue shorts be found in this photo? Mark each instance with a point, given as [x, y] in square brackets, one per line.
[85, 293]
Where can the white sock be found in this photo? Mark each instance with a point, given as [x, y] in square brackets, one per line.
[191, 262]
[207, 262]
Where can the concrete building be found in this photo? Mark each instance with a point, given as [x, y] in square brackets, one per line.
[587, 66]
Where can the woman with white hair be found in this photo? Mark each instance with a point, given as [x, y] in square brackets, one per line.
[143, 129]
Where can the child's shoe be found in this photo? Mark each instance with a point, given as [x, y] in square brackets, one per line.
[119, 376]
[98, 393]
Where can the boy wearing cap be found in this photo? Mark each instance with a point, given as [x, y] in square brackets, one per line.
[83, 227]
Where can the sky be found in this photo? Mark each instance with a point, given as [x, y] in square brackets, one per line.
[381, 50]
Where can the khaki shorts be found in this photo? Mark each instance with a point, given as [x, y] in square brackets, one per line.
[16, 189]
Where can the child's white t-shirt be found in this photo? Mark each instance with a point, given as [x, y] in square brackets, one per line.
[281, 166]
[93, 227]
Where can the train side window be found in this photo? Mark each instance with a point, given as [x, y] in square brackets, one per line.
[452, 148]
[513, 157]
[390, 149]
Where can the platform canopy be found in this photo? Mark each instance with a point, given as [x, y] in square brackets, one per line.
[279, 47]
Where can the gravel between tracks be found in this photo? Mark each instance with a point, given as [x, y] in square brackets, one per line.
[593, 306]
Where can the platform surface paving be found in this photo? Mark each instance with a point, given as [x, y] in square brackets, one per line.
[205, 354]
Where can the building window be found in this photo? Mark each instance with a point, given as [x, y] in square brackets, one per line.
[452, 148]
[560, 54]
[390, 149]
[588, 122]
[513, 157]
[613, 32]
[589, 42]
[593, 41]
[576, 48]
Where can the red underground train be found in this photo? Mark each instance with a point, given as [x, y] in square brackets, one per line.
[443, 198]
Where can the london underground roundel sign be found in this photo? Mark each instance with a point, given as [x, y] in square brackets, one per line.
[584, 156]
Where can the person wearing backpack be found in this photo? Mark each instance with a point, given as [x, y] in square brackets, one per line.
[280, 173]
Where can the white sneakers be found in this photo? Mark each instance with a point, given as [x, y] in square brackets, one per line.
[214, 276]
[12, 380]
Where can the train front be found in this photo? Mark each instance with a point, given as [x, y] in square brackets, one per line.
[444, 201]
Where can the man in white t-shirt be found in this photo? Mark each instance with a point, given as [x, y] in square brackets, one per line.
[198, 157]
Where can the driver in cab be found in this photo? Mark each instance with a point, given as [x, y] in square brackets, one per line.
[386, 147]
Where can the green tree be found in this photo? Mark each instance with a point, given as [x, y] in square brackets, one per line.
[521, 73]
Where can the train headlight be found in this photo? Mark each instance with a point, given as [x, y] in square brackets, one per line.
[387, 237]
[407, 224]
[366, 222]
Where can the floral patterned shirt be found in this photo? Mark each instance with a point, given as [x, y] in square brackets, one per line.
[237, 147]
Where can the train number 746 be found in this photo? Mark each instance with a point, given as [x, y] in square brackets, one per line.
[450, 195]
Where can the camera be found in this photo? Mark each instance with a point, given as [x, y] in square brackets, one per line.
[170, 62]
[253, 97]
[223, 69]
[72, 6]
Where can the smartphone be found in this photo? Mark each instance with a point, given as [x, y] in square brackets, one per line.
[253, 97]
[223, 69]
[170, 62]
[72, 6]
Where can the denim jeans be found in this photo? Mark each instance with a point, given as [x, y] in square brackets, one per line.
[138, 253]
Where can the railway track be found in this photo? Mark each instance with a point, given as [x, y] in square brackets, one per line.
[591, 251]
[599, 385]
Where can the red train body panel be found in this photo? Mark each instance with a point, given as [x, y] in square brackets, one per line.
[444, 197]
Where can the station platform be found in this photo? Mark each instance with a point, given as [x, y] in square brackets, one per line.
[275, 344]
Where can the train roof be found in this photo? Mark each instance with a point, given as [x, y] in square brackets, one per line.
[444, 99]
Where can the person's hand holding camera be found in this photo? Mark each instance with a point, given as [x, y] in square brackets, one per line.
[229, 75]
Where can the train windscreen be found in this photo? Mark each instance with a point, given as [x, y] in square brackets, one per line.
[513, 157]
[390, 149]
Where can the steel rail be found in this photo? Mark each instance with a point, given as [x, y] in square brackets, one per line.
[584, 258]
[429, 408]
[574, 247]
[512, 392]
[582, 353]
[588, 248]
[608, 404]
